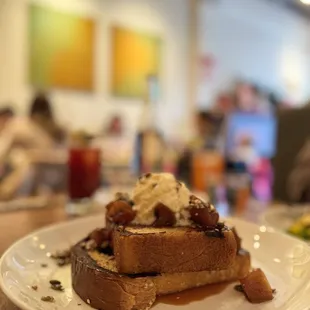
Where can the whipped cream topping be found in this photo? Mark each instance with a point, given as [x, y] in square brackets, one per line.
[154, 188]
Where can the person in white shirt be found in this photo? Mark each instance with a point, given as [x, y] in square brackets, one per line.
[25, 141]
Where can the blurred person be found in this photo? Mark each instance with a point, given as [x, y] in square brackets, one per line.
[116, 147]
[208, 128]
[153, 149]
[245, 96]
[209, 136]
[6, 114]
[248, 97]
[224, 103]
[274, 100]
[25, 141]
[298, 185]
[252, 99]
[115, 126]
[244, 151]
[41, 114]
[262, 179]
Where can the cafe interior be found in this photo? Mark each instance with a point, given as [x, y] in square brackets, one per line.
[97, 96]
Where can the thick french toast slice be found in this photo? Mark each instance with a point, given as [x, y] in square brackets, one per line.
[96, 280]
[170, 250]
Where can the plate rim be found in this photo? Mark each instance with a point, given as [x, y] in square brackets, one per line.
[24, 306]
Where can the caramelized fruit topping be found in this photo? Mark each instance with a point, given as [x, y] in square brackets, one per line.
[164, 216]
[203, 213]
[204, 218]
[120, 212]
[256, 287]
[101, 236]
[101, 240]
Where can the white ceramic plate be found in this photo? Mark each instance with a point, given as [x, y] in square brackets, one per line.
[285, 260]
[282, 217]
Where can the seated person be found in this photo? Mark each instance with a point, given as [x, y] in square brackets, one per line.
[115, 145]
[23, 141]
[6, 114]
[208, 137]
[208, 127]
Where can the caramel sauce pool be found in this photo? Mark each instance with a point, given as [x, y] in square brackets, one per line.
[191, 295]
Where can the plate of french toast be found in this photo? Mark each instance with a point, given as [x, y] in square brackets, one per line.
[160, 247]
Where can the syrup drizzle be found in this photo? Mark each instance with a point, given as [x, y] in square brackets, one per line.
[192, 295]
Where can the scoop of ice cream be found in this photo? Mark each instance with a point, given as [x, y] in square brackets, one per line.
[160, 188]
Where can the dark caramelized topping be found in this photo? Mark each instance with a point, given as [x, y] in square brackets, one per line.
[215, 232]
[100, 236]
[107, 251]
[239, 288]
[120, 212]
[221, 225]
[203, 213]
[204, 218]
[256, 287]
[101, 240]
[164, 216]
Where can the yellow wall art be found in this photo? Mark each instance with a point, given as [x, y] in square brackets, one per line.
[61, 49]
[135, 57]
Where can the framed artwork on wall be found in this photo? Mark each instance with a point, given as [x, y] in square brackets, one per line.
[136, 58]
[61, 49]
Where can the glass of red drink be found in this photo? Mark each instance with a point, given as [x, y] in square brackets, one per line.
[84, 171]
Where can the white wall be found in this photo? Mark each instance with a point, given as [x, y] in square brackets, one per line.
[256, 40]
[167, 18]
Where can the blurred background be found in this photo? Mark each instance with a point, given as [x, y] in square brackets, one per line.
[94, 93]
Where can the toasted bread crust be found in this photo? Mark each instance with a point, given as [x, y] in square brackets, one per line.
[171, 250]
[98, 284]
[108, 290]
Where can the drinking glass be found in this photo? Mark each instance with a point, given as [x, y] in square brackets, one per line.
[84, 171]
